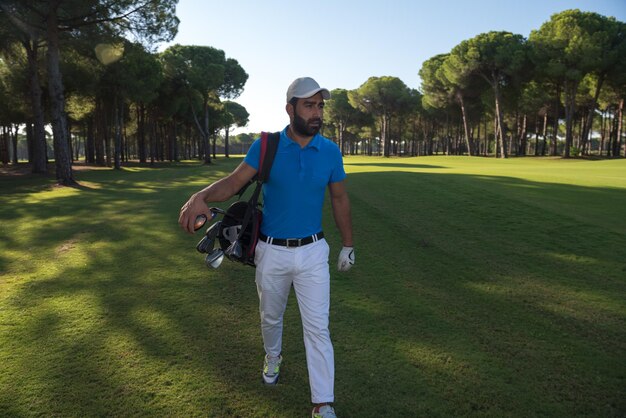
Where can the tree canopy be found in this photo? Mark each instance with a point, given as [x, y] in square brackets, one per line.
[112, 98]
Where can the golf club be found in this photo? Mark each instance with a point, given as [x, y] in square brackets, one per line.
[234, 250]
[207, 242]
[214, 258]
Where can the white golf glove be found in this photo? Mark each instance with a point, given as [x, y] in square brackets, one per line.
[346, 259]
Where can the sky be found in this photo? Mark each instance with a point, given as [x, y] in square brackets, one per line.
[341, 43]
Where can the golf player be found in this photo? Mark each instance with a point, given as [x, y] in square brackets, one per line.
[292, 250]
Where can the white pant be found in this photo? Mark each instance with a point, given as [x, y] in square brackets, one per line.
[306, 267]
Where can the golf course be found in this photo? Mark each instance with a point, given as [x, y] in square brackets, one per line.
[482, 287]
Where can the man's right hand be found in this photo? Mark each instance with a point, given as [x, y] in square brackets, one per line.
[220, 191]
[193, 208]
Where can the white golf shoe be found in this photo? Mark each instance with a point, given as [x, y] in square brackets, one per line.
[271, 369]
[324, 411]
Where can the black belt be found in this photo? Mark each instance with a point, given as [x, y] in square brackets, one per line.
[291, 242]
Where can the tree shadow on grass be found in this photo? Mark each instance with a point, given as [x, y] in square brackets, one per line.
[471, 296]
[149, 330]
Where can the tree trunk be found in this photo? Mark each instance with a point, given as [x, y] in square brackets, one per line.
[486, 143]
[14, 144]
[70, 145]
[536, 151]
[90, 142]
[106, 130]
[342, 130]
[226, 142]
[588, 127]
[499, 120]
[117, 126]
[39, 158]
[175, 156]
[523, 138]
[205, 133]
[477, 140]
[611, 132]
[465, 125]
[544, 134]
[188, 148]
[555, 125]
[29, 141]
[602, 133]
[457, 139]
[100, 124]
[214, 144]
[570, 107]
[76, 147]
[515, 135]
[386, 139]
[4, 146]
[62, 155]
[130, 150]
[160, 137]
[141, 132]
[620, 118]
[152, 141]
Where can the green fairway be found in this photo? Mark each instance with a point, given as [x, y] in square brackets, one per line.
[482, 287]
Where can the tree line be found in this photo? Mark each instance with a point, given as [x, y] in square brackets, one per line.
[107, 89]
[112, 98]
[559, 92]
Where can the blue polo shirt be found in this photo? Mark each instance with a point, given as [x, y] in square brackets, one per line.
[294, 194]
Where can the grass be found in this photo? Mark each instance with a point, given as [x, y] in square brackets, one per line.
[482, 288]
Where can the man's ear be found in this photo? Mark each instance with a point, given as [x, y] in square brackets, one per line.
[290, 111]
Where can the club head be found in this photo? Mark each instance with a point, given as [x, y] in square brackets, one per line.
[213, 230]
[207, 243]
[214, 258]
[234, 250]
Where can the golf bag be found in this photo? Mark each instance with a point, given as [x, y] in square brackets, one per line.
[239, 228]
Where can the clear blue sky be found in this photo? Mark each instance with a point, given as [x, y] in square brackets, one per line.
[341, 43]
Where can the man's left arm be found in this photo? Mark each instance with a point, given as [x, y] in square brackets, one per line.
[343, 219]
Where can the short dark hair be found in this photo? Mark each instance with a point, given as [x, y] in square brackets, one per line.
[293, 102]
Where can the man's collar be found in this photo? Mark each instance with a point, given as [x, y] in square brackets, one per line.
[315, 142]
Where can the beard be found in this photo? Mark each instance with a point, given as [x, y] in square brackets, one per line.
[306, 127]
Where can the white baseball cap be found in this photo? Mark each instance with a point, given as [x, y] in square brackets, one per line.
[305, 87]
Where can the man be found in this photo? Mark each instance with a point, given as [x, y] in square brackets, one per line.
[291, 248]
